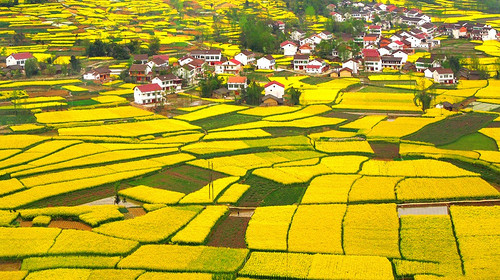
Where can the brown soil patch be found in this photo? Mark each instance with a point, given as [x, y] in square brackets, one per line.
[384, 150]
[69, 225]
[25, 223]
[134, 212]
[79, 197]
[230, 233]
[494, 124]
[10, 265]
[55, 92]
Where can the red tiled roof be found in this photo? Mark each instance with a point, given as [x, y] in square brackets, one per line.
[162, 56]
[305, 46]
[288, 42]
[370, 52]
[370, 38]
[149, 88]
[274, 83]
[235, 61]
[236, 80]
[23, 55]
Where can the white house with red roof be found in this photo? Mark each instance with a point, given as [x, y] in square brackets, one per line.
[306, 49]
[370, 40]
[281, 25]
[316, 66]
[289, 48]
[18, 59]
[375, 29]
[275, 89]
[396, 45]
[337, 17]
[232, 66]
[236, 83]
[148, 94]
[266, 63]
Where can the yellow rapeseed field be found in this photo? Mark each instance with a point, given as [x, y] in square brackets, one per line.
[268, 228]
[317, 229]
[197, 231]
[329, 189]
[371, 229]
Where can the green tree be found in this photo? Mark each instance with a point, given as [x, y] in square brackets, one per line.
[75, 64]
[209, 84]
[154, 46]
[423, 96]
[293, 95]
[252, 94]
[455, 64]
[31, 67]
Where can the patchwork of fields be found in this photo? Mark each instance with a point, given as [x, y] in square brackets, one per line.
[324, 202]
[93, 188]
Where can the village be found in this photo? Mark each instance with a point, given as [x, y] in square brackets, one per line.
[352, 55]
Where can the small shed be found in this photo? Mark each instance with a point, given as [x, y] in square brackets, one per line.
[271, 100]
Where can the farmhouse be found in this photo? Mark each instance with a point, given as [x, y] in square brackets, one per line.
[392, 62]
[158, 62]
[351, 64]
[373, 64]
[245, 57]
[18, 59]
[232, 66]
[147, 94]
[168, 83]
[297, 35]
[266, 63]
[305, 49]
[316, 66]
[423, 63]
[141, 58]
[99, 74]
[345, 73]
[236, 83]
[444, 76]
[209, 56]
[300, 62]
[271, 100]
[140, 72]
[274, 88]
[289, 48]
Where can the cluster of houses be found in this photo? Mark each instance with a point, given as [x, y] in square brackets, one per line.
[377, 53]
[469, 30]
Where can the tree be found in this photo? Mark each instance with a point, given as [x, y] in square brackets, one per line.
[423, 97]
[293, 95]
[31, 67]
[455, 64]
[209, 84]
[75, 64]
[256, 35]
[19, 38]
[252, 94]
[154, 46]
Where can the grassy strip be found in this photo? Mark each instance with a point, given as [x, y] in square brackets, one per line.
[451, 129]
